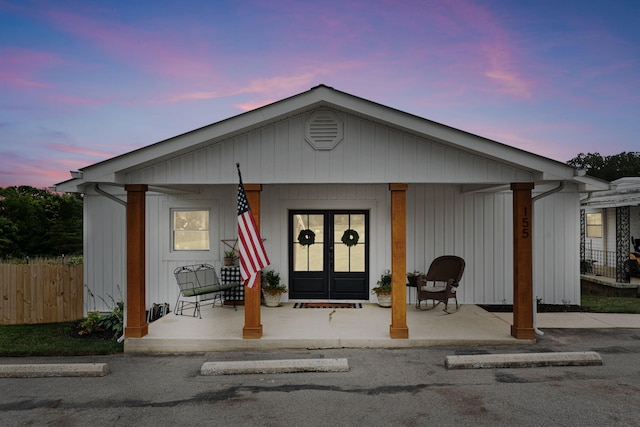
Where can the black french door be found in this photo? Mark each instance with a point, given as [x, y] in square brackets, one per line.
[329, 254]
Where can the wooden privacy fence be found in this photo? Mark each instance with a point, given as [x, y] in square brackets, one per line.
[40, 293]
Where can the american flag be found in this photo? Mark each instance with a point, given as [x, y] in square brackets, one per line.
[253, 257]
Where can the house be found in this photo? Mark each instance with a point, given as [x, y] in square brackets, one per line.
[610, 224]
[331, 162]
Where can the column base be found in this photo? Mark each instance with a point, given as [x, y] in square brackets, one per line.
[136, 331]
[522, 333]
[252, 332]
[398, 332]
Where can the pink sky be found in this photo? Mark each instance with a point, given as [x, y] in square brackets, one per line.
[81, 81]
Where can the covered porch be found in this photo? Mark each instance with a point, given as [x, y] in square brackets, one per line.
[252, 327]
[428, 190]
[285, 327]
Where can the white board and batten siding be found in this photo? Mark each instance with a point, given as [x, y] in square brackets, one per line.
[440, 220]
[104, 236]
[556, 262]
[369, 153]
[162, 260]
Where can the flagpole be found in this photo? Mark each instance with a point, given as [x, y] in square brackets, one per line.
[253, 257]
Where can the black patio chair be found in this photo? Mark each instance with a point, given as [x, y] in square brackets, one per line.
[441, 281]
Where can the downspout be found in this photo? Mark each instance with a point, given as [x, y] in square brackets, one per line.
[586, 199]
[550, 192]
[108, 195]
[559, 188]
[123, 203]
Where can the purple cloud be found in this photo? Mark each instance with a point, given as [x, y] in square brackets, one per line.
[42, 172]
[19, 68]
[153, 50]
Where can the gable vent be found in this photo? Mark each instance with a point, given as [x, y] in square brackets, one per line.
[324, 130]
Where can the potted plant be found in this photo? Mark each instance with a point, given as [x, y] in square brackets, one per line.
[271, 288]
[412, 278]
[230, 258]
[383, 290]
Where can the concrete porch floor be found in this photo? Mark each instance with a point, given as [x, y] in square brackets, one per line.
[284, 327]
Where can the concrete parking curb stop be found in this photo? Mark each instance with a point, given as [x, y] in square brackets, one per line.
[523, 360]
[274, 366]
[54, 370]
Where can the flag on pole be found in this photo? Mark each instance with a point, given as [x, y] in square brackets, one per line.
[253, 257]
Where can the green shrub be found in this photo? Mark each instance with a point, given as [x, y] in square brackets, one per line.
[91, 324]
[114, 320]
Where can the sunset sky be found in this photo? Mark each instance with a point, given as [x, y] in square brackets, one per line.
[83, 81]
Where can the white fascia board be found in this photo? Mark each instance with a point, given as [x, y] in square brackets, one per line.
[626, 183]
[614, 198]
[547, 169]
[188, 141]
[601, 204]
[550, 169]
[69, 186]
[591, 184]
[155, 152]
[484, 188]
[92, 176]
[78, 185]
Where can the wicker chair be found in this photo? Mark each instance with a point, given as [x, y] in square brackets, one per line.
[444, 275]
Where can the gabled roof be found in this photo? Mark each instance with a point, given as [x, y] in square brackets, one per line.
[114, 170]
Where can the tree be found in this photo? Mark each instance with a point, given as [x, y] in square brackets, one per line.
[38, 222]
[608, 168]
[64, 225]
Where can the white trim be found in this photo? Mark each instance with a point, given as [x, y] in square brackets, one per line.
[363, 205]
[166, 249]
[115, 169]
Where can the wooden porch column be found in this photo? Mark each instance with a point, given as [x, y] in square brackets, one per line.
[398, 328]
[136, 300]
[252, 326]
[522, 262]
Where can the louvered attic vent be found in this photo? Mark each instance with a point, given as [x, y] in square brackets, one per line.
[324, 130]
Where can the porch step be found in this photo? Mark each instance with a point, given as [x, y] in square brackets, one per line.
[523, 360]
[274, 366]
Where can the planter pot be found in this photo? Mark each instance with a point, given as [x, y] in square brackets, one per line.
[272, 300]
[229, 262]
[384, 300]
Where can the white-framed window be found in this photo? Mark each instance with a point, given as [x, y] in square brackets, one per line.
[190, 230]
[594, 225]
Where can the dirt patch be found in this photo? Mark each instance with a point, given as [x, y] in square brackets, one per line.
[76, 329]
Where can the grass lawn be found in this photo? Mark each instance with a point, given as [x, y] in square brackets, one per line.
[596, 304]
[53, 339]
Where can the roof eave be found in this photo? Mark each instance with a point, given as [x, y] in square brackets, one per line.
[114, 170]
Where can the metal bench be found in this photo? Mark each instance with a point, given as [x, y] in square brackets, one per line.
[199, 285]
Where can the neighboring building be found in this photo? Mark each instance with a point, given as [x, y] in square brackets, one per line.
[327, 161]
[610, 219]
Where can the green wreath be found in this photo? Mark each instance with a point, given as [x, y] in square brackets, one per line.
[306, 237]
[350, 237]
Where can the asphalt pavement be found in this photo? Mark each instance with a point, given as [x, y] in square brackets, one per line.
[408, 386]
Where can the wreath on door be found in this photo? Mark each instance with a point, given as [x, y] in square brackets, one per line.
[350, 237]
[306, 237]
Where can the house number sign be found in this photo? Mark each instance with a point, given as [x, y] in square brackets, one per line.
[525, 224]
